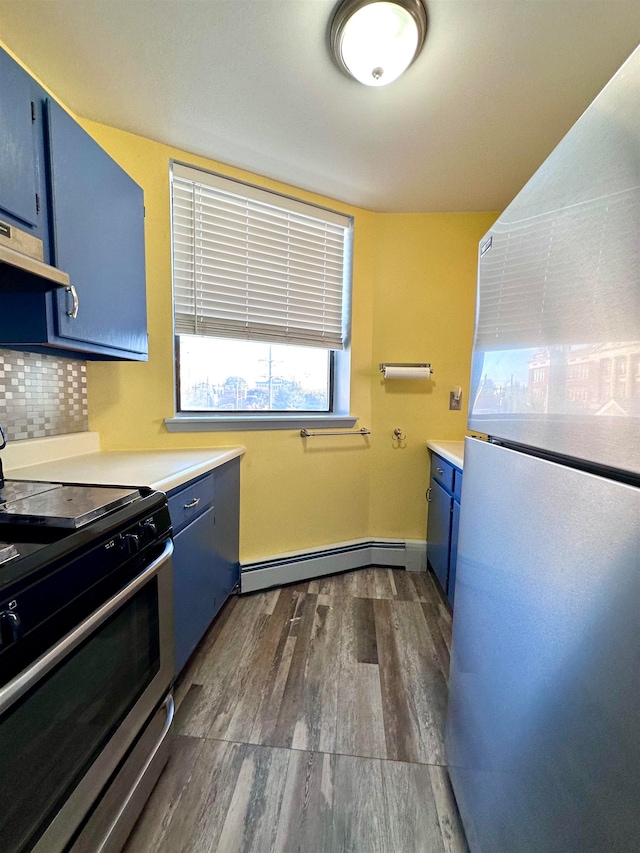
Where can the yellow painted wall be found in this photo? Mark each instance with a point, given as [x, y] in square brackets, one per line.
[424, 304]
[413, 300]
[295, 494]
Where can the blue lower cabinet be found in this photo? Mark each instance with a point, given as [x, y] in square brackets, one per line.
[453, 553]
[439, 533]
[227, 549]
[443, 522]
[205, 515]
[197, 596]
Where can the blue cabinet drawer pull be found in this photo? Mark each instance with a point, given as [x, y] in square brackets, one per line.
[193, 503]
[439, 471]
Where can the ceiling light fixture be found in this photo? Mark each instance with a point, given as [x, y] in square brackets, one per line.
[375, 41]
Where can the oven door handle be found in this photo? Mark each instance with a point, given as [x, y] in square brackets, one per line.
[46, 662]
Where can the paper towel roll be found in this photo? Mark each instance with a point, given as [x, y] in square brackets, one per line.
[391, 372]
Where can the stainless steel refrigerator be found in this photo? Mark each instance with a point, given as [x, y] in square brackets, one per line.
[543, 727]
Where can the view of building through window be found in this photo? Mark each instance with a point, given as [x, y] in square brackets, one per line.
[573, 379]
[217, 374]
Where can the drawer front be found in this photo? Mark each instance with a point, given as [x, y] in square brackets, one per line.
[191, 501]
[457, 483]
[442, 471]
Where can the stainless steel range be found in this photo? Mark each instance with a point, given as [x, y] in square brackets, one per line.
[86, 662]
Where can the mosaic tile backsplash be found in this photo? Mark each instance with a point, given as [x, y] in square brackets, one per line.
[41, 395]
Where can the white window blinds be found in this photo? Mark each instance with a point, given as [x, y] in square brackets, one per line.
[255, 265]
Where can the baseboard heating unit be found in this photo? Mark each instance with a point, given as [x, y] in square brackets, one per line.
[341, 557]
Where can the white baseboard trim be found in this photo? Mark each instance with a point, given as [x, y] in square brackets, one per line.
[341, 557]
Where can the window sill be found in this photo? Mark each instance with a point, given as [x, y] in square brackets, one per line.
[227, 423]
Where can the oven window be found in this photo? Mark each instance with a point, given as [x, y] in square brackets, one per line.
[53, 734]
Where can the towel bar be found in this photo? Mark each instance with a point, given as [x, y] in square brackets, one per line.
[306, 434]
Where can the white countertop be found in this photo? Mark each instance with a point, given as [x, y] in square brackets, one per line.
[452, 451]
[159, 469]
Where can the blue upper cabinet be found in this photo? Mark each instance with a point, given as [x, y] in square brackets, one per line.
[19, 174]
[59, 185]
[97, 236]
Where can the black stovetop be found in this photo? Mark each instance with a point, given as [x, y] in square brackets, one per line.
[59, 504]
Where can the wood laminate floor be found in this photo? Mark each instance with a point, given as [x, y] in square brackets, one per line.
[311, 720]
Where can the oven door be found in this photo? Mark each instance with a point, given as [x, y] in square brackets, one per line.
[67, 722]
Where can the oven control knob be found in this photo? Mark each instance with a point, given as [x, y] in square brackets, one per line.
[131, 543]
[10, 628]
[148, 531]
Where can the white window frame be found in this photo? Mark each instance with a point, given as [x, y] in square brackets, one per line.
[340, 415]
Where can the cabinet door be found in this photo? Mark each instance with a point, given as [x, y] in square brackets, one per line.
[453, 552]
[439, 532]
[97, 215]
[196, 592]
[18, 159]
[227, 479]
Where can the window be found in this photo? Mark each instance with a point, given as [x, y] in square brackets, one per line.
[261, 290]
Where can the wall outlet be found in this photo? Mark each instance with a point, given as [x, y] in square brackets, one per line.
[455, 404]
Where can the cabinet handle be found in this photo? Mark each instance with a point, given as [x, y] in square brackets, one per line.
[76, 302]
[428, 495]
[439, 471]
[193, 503]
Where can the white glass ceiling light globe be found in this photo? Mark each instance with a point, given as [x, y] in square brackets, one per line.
[378, 41]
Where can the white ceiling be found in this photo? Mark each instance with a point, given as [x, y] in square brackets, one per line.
[251, 83]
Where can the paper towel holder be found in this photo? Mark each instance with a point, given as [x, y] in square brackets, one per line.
[422, 364]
